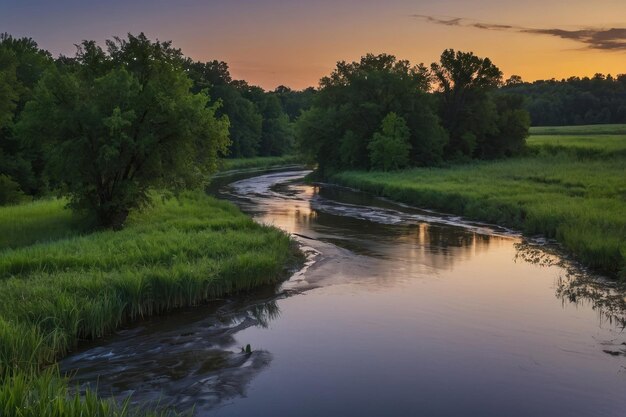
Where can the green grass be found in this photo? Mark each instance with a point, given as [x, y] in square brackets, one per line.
[579, 201]
[259, 162]
[581, 146]
[60, 284]
[615, 129]
[47, 395]
[40, 221]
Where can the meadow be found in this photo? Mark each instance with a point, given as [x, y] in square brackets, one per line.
[615, 129]
[61, 284]
[570, 187]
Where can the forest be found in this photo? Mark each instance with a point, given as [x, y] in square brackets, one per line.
[105, 125]
[574, 101]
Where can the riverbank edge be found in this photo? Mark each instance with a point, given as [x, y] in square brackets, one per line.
[494, 213]
[40, 389]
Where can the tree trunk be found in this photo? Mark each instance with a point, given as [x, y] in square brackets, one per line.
[112, 219]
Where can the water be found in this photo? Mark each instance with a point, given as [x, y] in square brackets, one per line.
[398, 312]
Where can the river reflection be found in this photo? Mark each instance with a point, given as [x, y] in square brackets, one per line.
[398, 312]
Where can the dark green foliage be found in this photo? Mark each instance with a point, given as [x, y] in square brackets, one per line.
[258, 124]
[480, 123]
[246, 122]
[351, 105]
[511, 128]
[467, 110]
[277, 137]
[329, 151]
[277, 134]
[573, 101]
[389, 149]
[125, 122]
[352, 102]
[10, 192]
[294, 102]
[22, 64]
[244, 117]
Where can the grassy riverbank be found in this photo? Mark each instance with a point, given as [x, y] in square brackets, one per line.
[570, 187]
[259, 162]
[60, 284]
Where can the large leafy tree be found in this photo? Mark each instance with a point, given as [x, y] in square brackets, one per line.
[463, 81]
[245, 118]
[512, 128]
[121, 122]
[22, 64]
[352, 103]
[481, 122]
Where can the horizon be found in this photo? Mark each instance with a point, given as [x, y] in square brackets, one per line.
[273, 42]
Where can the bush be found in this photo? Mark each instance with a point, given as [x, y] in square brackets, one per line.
[389, 148]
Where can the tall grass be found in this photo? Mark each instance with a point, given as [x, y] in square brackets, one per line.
[60, 285]
[581, 146]
[47, 395]
[38, 221]
[579, 201]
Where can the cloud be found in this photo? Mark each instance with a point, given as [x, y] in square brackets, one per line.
[613, 39]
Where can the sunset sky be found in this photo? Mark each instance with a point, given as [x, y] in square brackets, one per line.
[273, 42]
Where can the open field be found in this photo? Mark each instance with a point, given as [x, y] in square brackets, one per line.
[581, 146]
[615, 129]
[59, 285]
[579, 201]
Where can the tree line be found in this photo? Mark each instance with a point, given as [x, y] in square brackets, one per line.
[384, 113]
[112, 123]
[573, 101]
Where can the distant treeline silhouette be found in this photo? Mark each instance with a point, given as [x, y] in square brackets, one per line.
[573, 101]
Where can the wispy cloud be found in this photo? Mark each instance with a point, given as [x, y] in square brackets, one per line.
[613, 39]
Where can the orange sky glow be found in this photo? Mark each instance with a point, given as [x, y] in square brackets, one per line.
[295, 43]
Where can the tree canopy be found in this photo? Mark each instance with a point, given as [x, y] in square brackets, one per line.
[22, 64]
[351, 104]
[123, 122]
[259, 123]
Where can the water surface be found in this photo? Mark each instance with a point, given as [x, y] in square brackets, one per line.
[398, 312]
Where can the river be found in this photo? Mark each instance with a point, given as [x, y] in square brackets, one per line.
[397, 312]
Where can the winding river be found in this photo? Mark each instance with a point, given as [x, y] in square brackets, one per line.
[397, 312]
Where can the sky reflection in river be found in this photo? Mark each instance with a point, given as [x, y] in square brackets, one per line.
[403, 312]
